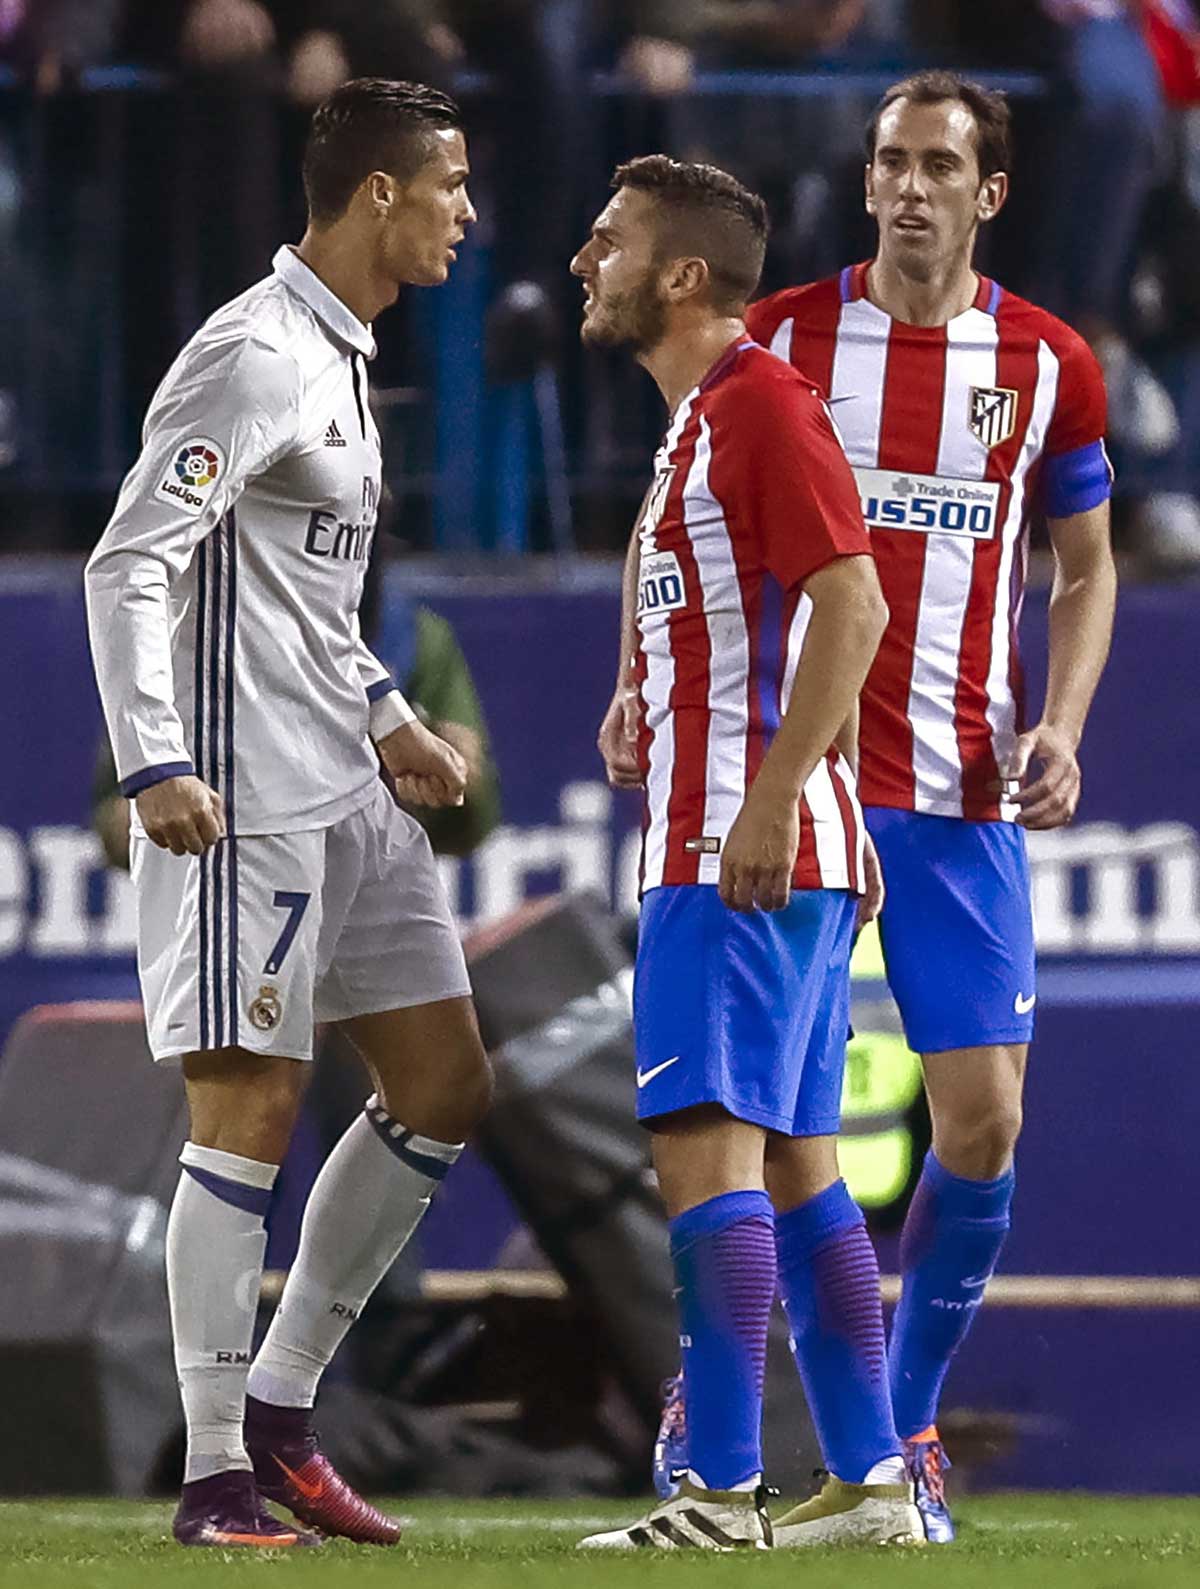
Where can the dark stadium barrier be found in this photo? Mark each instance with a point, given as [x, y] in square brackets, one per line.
[90, 1132]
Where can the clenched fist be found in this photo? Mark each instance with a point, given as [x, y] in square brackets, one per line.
[182, 815]
[426, 770]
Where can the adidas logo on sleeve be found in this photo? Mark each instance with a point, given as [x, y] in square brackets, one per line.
[333, 436]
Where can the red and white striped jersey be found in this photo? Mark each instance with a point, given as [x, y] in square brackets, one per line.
[949, 429]
[751, 495]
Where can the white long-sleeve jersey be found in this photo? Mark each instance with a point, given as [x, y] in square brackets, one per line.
[223, 595]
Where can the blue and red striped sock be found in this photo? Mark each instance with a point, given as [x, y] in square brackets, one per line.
[724, 1256]
[829, 1279]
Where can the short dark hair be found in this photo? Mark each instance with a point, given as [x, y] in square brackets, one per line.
[369, 124]
[711, 215]
[993, 118]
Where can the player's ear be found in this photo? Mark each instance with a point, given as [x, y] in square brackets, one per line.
[686, 278]
[381, 192]
[869, 186]
[992, 194]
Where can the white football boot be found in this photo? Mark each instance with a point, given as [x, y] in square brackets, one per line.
[853, 1514]
[695, 1519]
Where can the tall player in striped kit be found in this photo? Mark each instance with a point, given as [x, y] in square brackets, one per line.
[964, 411]
[751, 614]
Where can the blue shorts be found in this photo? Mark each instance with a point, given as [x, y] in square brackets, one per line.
[747, 1011]
[956, 928]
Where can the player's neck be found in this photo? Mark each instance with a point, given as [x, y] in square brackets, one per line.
[948, 292]
[684, 357]
[339, 259]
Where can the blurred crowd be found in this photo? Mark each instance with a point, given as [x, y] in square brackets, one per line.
[1105, 217]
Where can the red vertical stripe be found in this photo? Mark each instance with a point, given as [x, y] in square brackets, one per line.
[807, 873]
[909, 438]
[1016, 597]
[644, 738]
[692, 655]
[745, 549]
[849, 823]
[1017, 369]
[750, 584]
[814, 334]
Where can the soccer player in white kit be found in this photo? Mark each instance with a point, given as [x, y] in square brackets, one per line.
[277, 880]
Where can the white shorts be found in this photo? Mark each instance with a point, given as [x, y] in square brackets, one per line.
[253, 942]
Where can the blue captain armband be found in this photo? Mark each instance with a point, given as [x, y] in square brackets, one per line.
[1075, 482]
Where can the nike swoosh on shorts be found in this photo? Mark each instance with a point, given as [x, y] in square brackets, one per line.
[644, 1076]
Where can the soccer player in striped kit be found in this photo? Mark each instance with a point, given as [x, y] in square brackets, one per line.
[964, 411]
[277, 880]
[751, 614]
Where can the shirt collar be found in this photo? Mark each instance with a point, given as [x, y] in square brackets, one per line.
[725, 361]
[326, 305]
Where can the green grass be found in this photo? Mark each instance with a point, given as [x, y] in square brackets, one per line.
[1043, 1541]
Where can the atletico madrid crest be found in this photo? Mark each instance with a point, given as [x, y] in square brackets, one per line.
[656, 499]
[993, 416]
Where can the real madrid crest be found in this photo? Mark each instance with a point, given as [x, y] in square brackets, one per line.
[265, 1011]
[993, 414]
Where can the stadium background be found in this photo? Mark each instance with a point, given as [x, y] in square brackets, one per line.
[147, 169]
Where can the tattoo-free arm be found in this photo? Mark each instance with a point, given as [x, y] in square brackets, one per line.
[1082, 604]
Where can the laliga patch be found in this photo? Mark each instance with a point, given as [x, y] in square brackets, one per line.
[704, 846]
[192, 474]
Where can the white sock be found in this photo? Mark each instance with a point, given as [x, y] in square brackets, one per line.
[890, 1470]
[215, 1245]
[366, 1203]
[744, 1487]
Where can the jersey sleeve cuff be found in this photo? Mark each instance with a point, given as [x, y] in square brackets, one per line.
[390, 712]
[149, 776]
[380, 688]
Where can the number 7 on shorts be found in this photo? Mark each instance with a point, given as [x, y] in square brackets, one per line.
[295, 905]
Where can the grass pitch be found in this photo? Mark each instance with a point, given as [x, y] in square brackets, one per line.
[1043, 1541]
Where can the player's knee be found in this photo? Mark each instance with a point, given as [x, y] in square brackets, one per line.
[448, 1102]
[254, 1121]
[477, 1088]
[980, 1145]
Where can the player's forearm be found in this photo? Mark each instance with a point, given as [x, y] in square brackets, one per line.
[389, 709]
[843, 635]
[130, 634]
[1082, 604]
[847, 737]
[629, 600]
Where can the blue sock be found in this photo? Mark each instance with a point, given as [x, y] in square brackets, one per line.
[829, 1280]
[724, 1256]
[949, 1247]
